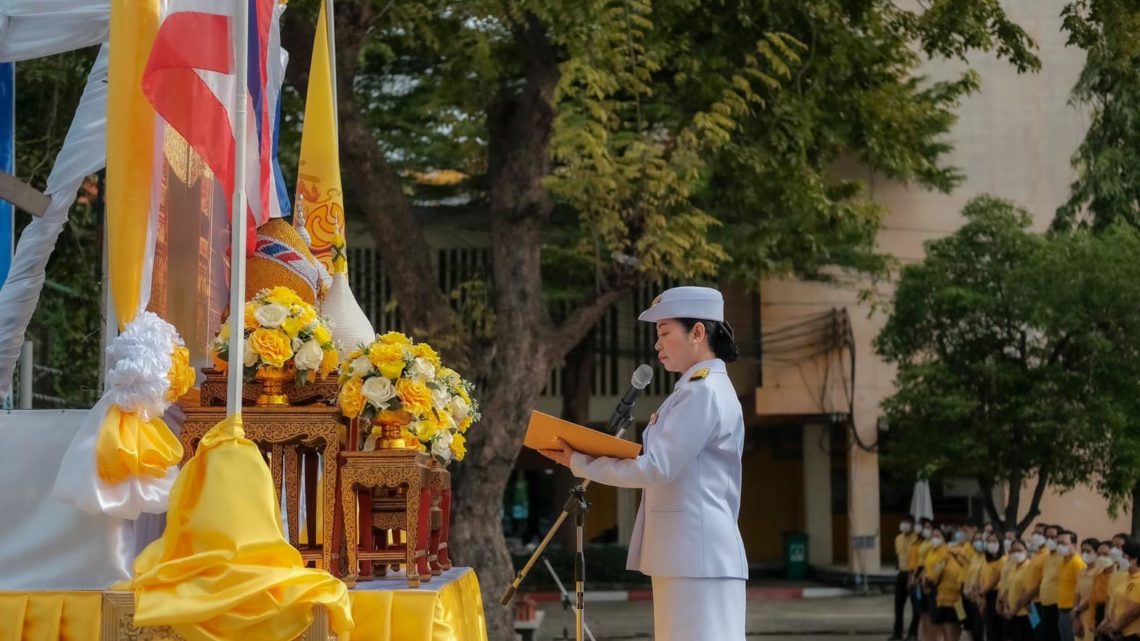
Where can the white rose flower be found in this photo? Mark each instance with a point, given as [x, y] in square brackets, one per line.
[248, 355]
[296, 344]
[271, 315]
[378, 390]
[422, 370]
[441, 446]
[440, 398]
[309, 357]
[459, 409]
[360, 367]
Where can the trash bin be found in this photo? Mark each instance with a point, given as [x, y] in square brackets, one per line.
[795, 555]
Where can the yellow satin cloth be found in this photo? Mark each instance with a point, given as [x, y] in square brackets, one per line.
[222, 570]
[127, 446]
[452, 613]
[50, 616]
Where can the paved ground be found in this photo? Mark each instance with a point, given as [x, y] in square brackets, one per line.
[854, 618]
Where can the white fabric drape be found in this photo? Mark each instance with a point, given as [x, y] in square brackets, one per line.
[46, 544]
[84, 152]
[37, 28]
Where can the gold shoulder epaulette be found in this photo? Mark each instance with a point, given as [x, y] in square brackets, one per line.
[700, 374]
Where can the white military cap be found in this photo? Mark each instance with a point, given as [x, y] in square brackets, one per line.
[701, 303]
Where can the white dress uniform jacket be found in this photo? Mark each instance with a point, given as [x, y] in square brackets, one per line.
[691, 474]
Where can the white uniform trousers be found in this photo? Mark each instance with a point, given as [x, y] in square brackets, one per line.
[686, 609]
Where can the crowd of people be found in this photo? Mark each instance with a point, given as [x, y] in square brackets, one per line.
[995, 586]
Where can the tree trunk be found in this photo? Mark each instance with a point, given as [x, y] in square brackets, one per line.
[519, 126]
[1136, 510]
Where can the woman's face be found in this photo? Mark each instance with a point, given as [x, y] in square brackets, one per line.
[1104, 549]
[677, 349]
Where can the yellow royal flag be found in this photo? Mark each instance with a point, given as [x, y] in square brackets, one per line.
[130, 154]
[318, 177]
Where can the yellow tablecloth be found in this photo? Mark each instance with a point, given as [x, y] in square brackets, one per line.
[50, 616]
[448, 608]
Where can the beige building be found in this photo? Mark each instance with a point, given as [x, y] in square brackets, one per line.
[1014, 139]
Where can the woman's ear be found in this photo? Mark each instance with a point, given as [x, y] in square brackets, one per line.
[698, 332]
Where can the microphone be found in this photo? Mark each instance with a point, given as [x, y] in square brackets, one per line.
[639, 381]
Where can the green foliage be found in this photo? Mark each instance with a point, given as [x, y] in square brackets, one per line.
[1108, 160]
[1013, 352]
[692, 137]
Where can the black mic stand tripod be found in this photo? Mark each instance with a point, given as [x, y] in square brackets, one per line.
[577, 505]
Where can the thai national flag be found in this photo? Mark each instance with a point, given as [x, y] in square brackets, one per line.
[190, 79]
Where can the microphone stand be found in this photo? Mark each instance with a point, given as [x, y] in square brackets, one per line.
[577, 505]
[566, 604]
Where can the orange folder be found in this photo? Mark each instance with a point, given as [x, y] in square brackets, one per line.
[545, 430]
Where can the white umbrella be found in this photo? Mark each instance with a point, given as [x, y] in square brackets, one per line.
[921, 505]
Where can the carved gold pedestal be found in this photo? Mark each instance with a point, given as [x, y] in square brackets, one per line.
[398, 474]
[286, 435]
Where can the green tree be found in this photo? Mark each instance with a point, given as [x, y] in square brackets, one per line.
[632, 140]
[1107, 161]
[1012, 351]
[1107, 189]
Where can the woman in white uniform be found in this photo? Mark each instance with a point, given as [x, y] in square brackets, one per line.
[686, 535]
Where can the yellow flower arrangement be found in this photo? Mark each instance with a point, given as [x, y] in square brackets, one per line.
[394, 379]
[283, 331]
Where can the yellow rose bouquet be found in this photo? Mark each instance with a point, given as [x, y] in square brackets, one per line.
[395, 382]
[281, 332]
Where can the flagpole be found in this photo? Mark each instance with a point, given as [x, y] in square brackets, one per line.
[238, 215]
[330, 32]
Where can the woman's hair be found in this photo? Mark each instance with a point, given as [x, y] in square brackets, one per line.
[1092, 543]
[721, 337]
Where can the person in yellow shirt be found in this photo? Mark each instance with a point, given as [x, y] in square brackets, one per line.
[993, 569]
[1092, 588]
[1123, 617]
[973, 600]
[919, 585]
[1050, 585]
[1031, 580]
[947, 576]
[1015, 608]
[906, 539]
[1072, 565]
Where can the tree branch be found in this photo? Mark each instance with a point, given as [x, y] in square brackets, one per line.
[987, 485]
[1035, 502]
[572, 330]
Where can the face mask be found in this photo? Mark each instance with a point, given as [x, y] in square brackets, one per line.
[992, 548]
[1018, 557]
[1037, 539]
[1104, 562]
[936, 543]
[1006, 543]
[1051, 544]
[1088, 557]
[904, 527]
[1123, 564]
[959, 537]
[926, 533]
[1033, 546]
[1064, 550]
[979, 546]
[1115, 554]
